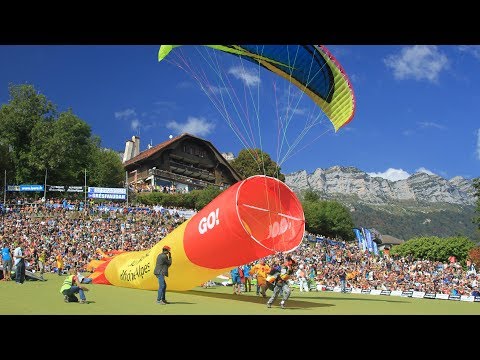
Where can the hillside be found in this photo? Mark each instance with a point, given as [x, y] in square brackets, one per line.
[420, 205]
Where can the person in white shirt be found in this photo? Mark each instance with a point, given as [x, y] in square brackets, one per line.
[302, 278]
[19, 264]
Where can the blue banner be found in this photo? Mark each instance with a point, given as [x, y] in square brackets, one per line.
[368, 237]
[107, 193]
[359, 236]
[31, 188]
[375, 248]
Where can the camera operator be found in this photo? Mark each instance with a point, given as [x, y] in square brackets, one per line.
[164, 260]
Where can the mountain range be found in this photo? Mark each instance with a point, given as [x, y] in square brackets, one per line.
[421, 205]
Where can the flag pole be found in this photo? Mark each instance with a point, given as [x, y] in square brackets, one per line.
[85, 188]
[126, 184]
[45, 189]
[5, 190]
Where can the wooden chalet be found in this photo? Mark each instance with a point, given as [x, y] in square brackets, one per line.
[185, 163]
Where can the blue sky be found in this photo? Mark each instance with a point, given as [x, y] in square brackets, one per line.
[417, 106]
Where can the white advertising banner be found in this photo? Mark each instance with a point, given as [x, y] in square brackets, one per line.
[418, 294]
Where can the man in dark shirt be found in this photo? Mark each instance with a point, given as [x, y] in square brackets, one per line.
[164, 260]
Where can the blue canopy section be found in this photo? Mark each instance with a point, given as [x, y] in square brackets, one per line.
[304, 63]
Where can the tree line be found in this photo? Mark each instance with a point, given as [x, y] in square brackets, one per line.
[37, 138]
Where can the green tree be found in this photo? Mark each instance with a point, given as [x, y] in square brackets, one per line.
[25, 110]
[63, 147]
[251, 162]
[205, 196]
[105, 168]
[328, 218]
[435, 248]
[310, 195]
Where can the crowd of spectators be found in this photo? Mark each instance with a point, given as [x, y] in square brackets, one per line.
[74, 230]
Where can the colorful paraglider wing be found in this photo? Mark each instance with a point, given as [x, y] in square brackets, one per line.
[311, 68]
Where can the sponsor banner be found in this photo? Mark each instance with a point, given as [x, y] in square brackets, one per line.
[366, 291]
[13, 188]
[77, 189]
[337, 289]
[107, 196]
[348, 290]
[418, 294]
[107, 193]
[102, 190]
[385, 292]
[407, 293]
[31, 188]
[454, 297]
[441, 296]
[429, 296]
[356, 291]
[56, 188]
[468, 298]
[396, 293]
[187, 214]
[375, 292]
[329, 288]
[477, 299]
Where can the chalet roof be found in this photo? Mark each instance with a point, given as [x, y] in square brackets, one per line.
[152, 151]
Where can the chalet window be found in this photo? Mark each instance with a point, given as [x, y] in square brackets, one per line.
[184, 148]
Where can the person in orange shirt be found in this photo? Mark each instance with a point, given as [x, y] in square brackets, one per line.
[260, 270]
[59, 259]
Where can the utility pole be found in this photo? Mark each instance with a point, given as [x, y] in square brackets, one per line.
[5, 191]
[45, 188]
[126, 185]
[85, 188]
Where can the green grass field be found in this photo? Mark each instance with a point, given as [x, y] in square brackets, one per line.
[43, 298]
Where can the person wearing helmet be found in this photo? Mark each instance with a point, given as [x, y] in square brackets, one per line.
[278, 278]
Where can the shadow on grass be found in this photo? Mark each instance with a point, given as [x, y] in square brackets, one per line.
[291, 304]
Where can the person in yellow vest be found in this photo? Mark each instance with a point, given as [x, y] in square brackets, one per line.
[71, 286]
[59, 263]
[260, 271]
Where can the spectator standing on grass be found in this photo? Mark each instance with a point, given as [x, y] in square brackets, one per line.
[260, 271]
[19, 264]
[6, 262]
[164, 261]
[59, 259]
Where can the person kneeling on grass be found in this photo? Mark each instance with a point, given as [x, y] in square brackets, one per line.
[71, 286]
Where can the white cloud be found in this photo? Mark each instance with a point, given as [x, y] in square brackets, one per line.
[185, 85]
[471, 49]
[417, 62]
[423, 170]
[217, 90]
[135, 124]
[430, 124]
[392, 174]
[249, 77]
[124, 114]
[478, 144]
[194, 126]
